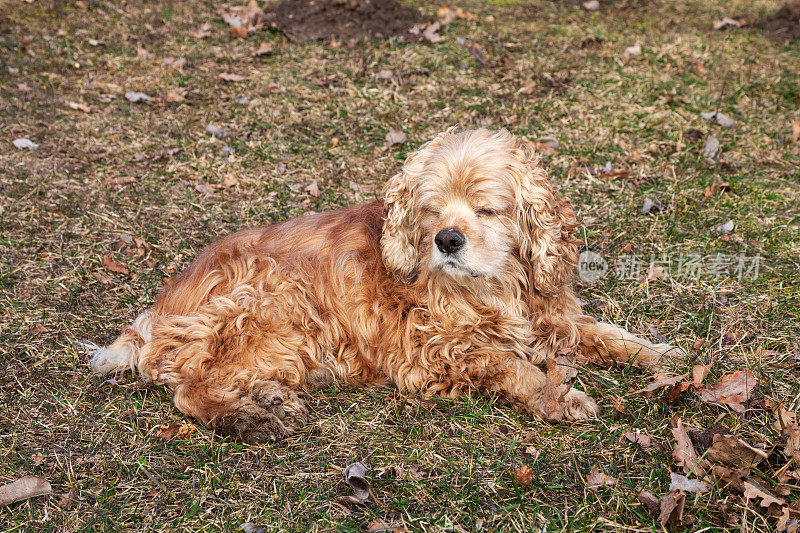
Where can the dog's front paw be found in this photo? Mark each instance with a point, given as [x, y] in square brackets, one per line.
[577, 405]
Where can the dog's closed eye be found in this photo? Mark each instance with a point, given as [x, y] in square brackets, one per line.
[486, 212]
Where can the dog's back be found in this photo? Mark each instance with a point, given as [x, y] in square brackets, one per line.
[346, 239]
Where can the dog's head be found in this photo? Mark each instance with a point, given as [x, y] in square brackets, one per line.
[472, 206]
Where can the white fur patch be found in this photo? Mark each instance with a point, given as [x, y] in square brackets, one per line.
[123, 353]
[113, 359]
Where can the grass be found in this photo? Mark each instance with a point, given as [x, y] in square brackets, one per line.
[436, 465]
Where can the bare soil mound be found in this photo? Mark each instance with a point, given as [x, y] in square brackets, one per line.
[306, 20]
[784, 24]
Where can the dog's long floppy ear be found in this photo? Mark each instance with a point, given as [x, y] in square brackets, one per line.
[401, 234]
[547, 224]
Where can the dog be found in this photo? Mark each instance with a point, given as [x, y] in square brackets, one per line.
[458, 279]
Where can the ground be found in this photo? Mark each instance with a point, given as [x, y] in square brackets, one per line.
[145, 185]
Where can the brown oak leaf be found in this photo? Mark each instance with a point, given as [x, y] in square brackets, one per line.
[731, 390]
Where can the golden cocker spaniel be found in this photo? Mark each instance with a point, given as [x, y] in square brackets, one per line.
[458, 279]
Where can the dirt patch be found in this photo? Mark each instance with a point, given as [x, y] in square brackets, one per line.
[307, 20]
[784, 24]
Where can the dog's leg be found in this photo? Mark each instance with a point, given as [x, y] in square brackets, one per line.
[527, 388]
[261, 410]
[611, 345]
[515, 380]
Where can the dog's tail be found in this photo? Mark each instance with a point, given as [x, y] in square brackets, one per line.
[123, 353]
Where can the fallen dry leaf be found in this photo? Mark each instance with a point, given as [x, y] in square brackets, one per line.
[684, 453]
[35, 331]
[355, 475]
[399, 471]
[203, 188]
[22, 144]
[786, 423]
[672, 508]
[620, 406]
[728, 478]
[642, 439]
[80, 107]
[264, 48]
[716, 186]
[597, 479]
[731, 390]
[632, 51]
[203, 32]
[381, 526]
[698, 344]
[724, 22]
[66, 500]
[175, 429]
[544, 147]
[677, 389]
[789, 520]
[447, 14]
[725, 228]
[175, 95]
[230, 181]
[783, 475]
[523, 475]
[23, 489]
[431, 32]
[113, 266]
[216, 131]
[733, 451]
[251, 527]
[796, 130]
[647, 206]
[105, 280]
[649, 500]
[477, 53]
[313, 189]
[173, 62]
[242, 20]
[655, 272]
[591, 5]
[394, 137]
[699, 373]
[231, 77]
[37, 458]
[681, 482]
[135, 96]
[711, 147]
[528, 87]
[142, 53]
[273, 88]
[121, 180]
[762, 497]
[660, 380]
[614, 174]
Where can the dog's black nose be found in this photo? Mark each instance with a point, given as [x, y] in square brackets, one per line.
[449, 241]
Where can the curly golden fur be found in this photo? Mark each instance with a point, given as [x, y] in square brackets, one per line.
[459, 279]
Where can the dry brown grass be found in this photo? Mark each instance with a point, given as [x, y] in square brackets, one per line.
[319, 113]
